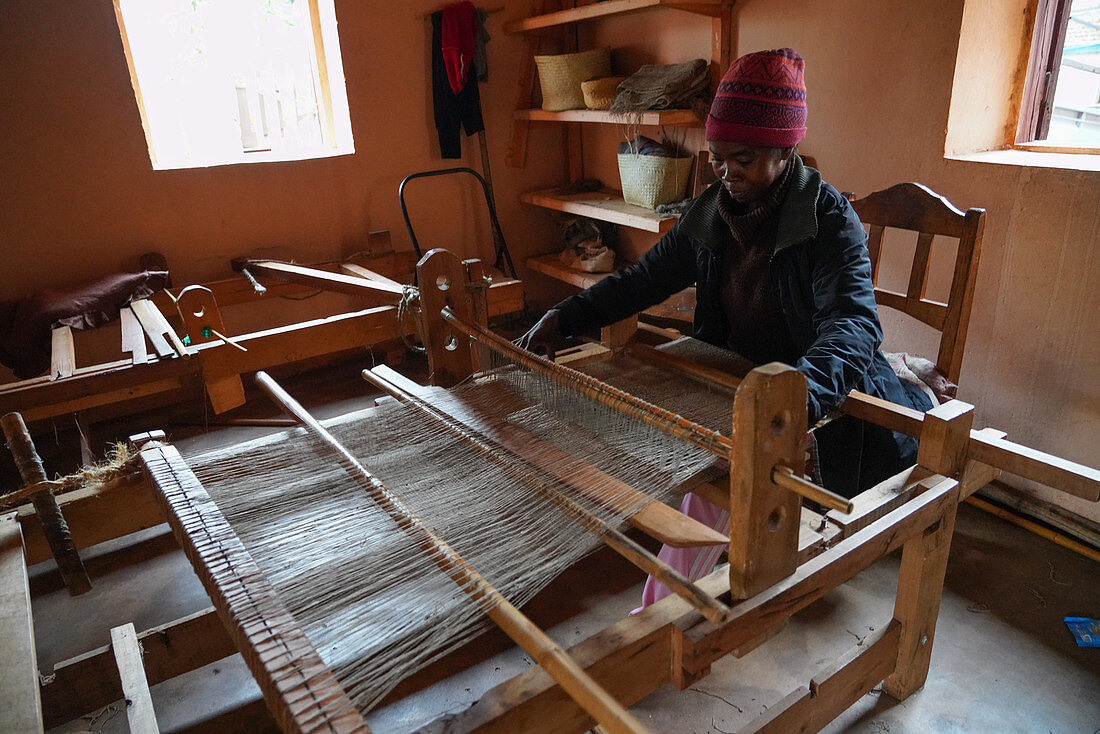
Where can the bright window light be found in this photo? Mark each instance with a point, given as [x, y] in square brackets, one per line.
[236, 81]
[1075, 119]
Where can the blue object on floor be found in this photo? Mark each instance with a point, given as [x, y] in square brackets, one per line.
[1086, 631]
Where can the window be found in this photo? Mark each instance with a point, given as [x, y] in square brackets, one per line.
[236, 81]
[1061, 106]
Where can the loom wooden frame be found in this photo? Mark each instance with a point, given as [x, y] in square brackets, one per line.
[678, 643]
[213, 361]
[770, 399]
[80, 685]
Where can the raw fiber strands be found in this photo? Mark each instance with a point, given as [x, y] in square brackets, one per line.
[374, 604]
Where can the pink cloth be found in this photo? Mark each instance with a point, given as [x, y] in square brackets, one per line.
[695, 563]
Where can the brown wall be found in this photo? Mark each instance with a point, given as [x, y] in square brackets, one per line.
[77, 194]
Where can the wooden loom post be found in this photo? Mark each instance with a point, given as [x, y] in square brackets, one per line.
[769, 420]
[610, 714]
[442, 279]
[19, 674]
[45, 505]
[944, 437]
[478, 281]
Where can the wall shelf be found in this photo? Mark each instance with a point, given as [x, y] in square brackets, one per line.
[677, 118]
[553, 267]
[677, 312]
[605, 204]
[713, 8]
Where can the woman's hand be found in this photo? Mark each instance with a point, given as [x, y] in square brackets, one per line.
[544, 337]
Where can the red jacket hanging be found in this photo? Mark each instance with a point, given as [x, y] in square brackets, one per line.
[459, 37]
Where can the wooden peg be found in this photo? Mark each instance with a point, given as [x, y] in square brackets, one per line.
[945, 438]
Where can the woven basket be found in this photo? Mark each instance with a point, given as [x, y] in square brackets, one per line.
[561, 75]
[649, 180]
[600, 93]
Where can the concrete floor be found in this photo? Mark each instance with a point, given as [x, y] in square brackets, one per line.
[1003, 659]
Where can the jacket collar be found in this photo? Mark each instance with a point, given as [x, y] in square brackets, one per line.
[797, 212]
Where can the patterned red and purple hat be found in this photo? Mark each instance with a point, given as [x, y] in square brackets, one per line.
[761, 101]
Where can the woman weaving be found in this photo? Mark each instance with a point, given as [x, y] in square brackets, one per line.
[783, 274]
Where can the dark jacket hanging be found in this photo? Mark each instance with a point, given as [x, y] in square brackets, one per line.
[453, 110]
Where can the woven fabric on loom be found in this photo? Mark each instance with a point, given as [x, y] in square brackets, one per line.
[373, 602]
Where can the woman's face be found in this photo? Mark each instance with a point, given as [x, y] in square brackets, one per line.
[748, 172]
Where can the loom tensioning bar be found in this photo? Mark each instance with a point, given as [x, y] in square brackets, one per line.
[665, 420]
[682, 586]
[654, 415]
[555, 661]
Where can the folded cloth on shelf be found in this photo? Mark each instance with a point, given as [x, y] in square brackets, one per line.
[663, 87]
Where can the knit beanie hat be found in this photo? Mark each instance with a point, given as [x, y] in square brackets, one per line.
[761, 101]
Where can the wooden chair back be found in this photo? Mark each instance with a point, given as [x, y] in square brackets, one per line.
[911, 206]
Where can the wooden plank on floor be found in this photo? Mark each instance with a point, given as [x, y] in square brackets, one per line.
[90, 681]
[21, 710]
[139, 704]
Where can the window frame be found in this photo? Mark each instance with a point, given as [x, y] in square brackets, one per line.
[1041, 81]
[323, 50]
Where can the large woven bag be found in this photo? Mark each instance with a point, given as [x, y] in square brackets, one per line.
[560, 76]
[649, 180]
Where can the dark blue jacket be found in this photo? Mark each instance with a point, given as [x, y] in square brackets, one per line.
[822, 273]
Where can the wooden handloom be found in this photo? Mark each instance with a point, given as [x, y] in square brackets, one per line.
[213, 359]
[775, 569]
